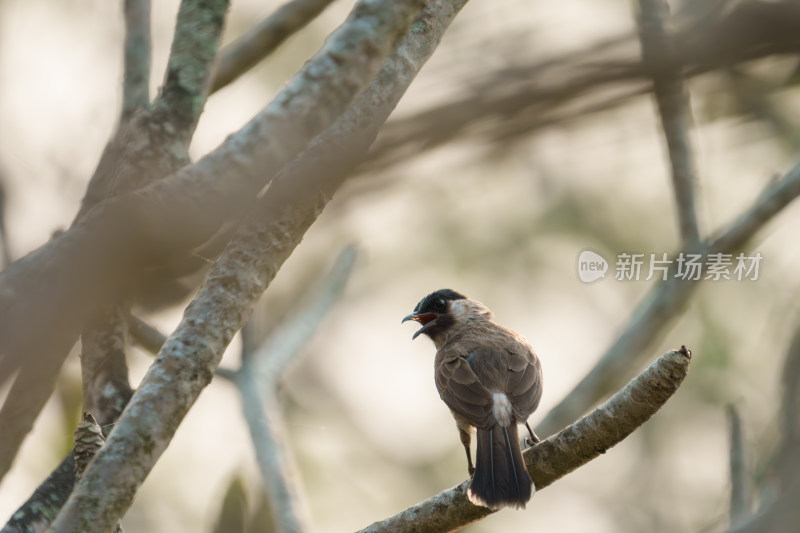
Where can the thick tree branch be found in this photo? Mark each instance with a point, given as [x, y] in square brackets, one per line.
[559, 454]
[651, 318]
[194, 49]
[96, 259]
[673, 107]
[191, 355]
[261, 40]
[136, 84]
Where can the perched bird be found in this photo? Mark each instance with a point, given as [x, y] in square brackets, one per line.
[491, 380]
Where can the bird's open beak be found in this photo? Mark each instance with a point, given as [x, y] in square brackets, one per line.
[428, 320]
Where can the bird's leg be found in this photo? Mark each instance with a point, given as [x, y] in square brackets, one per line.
[534, 439]
[465, 440]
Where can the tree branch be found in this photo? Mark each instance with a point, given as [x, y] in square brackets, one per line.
[673, 107]
[261, 40]
[104, 368]
[782, 513]
[269, 362]
[191, 355]
[651, 318]
[257, 381]
[136, 84]
[559, 454]
[145, 335]
[96, 259]
[513, 102]
[194, 49]
[42, 507]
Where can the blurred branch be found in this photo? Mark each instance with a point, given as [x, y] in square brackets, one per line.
[514, 101]
[233, 512]
[788, 459]
[56, 287]
[257, 381]
[753, 100]
[104, 369]
[559, 454]
[136, 84]
[145, 335]
[261, 40]
[191, 355]
[275, 458]
[673, 107]
[5, 253]
[783, 514]
[740, 489]
[269, 361]
[32, 386]
[654, 314]
[775, 196]
[194, 48]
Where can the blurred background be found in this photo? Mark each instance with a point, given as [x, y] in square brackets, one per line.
[526, 139]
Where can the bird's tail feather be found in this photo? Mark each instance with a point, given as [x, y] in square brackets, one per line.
[500, 479]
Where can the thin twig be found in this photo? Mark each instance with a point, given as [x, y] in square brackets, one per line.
[261, 40]
[257, 381]
[136, 84]
[559, 454]
[270, 359]
[740, 485]
[145, 335]
[274, 455]
[673, 107]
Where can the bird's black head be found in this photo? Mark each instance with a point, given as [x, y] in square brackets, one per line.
[432, 312]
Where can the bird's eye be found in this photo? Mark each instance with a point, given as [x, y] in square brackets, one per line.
[440, 304]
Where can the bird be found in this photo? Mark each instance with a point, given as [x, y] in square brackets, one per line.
[491, 379]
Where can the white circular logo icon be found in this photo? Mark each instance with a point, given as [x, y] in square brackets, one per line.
[591, 266]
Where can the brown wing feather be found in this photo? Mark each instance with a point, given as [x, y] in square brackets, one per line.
[461, 390]
[524, 384]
